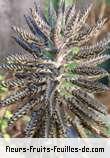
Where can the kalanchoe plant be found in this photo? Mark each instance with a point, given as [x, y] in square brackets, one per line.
[57, 77]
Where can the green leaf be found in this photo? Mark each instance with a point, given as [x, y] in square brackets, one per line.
[75, 50]
[1, 77]
[65, 87]
[4, 125]
[8, 114]
[50, 55]
[108, 1]
[71, 66]
[69, 2]
[3, 89]
[6, 136]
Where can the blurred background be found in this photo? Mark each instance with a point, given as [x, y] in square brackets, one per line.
[12, 13]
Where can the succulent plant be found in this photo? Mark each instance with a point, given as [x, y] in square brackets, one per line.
[56, 78]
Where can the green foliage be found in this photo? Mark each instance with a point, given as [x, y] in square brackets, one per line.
[108, 1]
[4, 124]
[70, 66]
[2, 77]
[75, 50]
[68, 2]
[8, 114]
[56, 3]
[3, 89]
[64, 88]
[49, 55]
